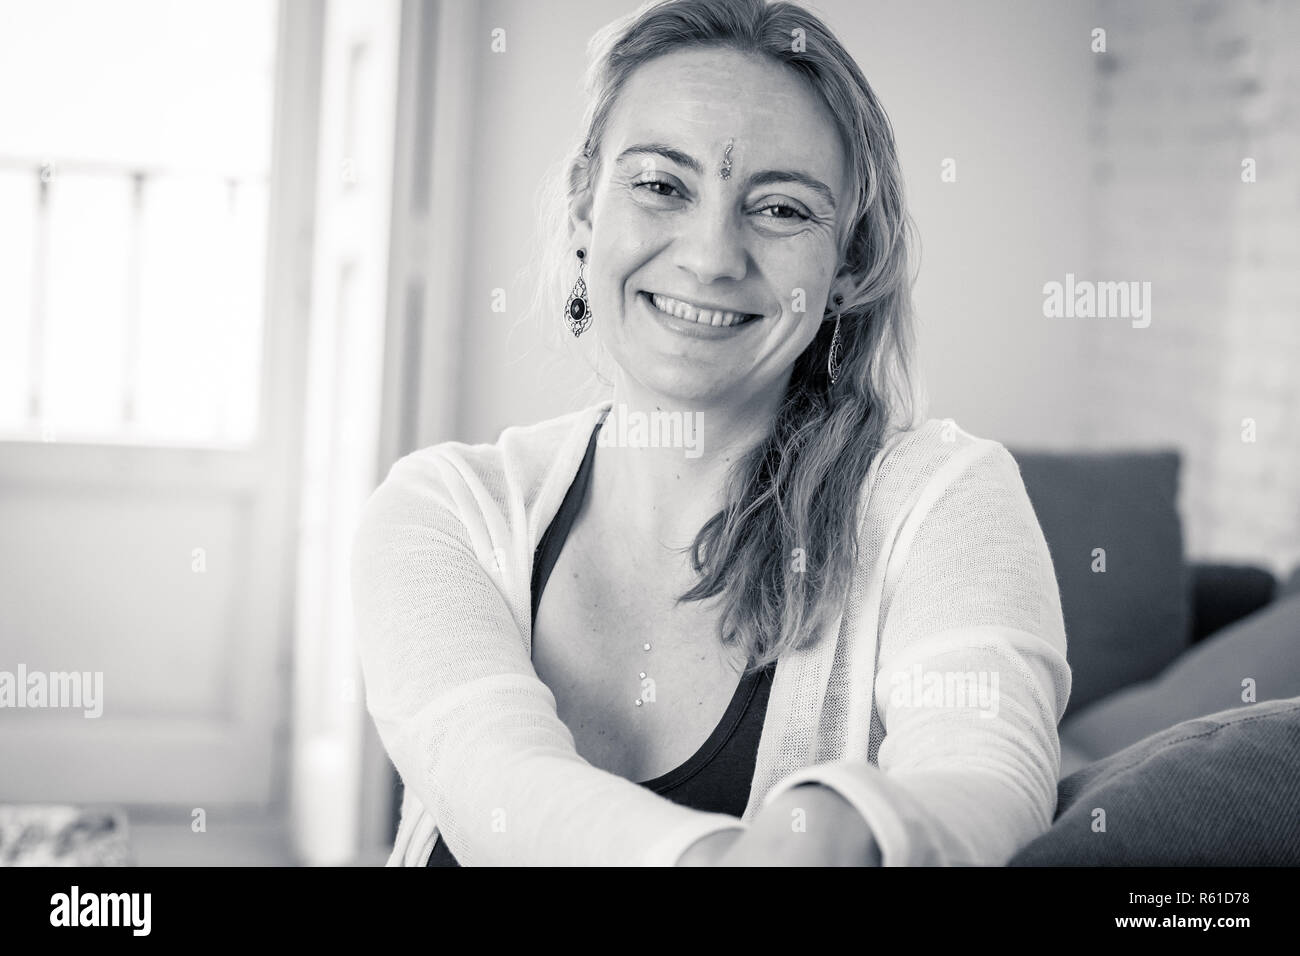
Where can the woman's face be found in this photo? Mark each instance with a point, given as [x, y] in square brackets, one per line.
[665, 230]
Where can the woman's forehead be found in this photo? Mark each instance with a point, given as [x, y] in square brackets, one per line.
[699, 100]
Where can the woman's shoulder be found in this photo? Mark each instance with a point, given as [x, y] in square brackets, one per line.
[924, 459]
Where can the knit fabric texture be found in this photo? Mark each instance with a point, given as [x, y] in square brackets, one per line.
[930, 704]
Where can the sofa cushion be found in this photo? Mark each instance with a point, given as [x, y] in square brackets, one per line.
[1126, 623]
[1072, 758]
[1221, 790]
[1263, 648]
[1223, 594]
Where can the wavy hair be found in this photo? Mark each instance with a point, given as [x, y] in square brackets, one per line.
[783, 549]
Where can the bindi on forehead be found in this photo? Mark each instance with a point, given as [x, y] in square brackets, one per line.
[724, 168]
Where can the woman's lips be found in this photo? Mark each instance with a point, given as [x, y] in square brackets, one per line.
[692, 329]
[688, 311]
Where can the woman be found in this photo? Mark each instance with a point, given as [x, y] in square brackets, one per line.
[826, 634]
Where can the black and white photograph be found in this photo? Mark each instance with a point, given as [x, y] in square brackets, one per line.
[677, 434]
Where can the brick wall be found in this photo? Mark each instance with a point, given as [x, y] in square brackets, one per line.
[1185, 92]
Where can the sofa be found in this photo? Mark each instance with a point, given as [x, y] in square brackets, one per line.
[1181, 741]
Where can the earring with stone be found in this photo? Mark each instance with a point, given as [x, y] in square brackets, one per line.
[577, 311]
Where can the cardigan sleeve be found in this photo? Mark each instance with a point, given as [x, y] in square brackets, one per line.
[971, 683]
[458, 706]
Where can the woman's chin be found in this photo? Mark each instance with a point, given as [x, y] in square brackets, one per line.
[686, 391]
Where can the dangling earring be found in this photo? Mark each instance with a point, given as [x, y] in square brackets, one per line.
[833, 359]
[837, 348]
[577, 311]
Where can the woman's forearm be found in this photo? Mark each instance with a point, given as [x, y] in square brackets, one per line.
[809, 825]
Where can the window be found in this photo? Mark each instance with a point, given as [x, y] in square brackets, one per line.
[134, 171]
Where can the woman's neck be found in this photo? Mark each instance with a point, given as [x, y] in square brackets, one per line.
[661, 467]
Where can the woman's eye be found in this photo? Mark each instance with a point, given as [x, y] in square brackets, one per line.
[656, 187]
[783, 211]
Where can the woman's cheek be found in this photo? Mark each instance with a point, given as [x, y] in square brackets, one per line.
[800, 284]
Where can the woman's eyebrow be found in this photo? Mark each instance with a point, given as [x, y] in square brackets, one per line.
[767, 177]
[667, 152]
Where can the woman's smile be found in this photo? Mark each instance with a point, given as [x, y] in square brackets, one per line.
[704, 314]
[687, 318]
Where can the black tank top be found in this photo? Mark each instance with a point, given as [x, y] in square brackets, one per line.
[717, 777]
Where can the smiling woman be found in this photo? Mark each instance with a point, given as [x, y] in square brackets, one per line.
[582, 650]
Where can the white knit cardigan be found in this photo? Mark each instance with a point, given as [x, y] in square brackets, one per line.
[954, 588]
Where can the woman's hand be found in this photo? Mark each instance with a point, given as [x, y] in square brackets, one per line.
[809, 825]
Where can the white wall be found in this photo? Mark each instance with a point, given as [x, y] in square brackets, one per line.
[1184, 100]
[1001, 87]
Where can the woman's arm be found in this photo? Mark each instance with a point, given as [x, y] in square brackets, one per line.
[461, 711]
[972, 681]
[807, 825]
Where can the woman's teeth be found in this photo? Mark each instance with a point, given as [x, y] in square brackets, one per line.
[692, 313]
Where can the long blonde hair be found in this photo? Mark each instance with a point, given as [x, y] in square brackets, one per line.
[783, 549]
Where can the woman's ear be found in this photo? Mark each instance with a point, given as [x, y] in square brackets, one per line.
[579, 228]
[841, 289]
[580, 203]
[837, 298]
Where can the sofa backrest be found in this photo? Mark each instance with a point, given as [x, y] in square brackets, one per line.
[1112, 525]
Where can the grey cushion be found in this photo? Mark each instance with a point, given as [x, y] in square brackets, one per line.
[1126, 624]
[1073, 758]
[1223, 594]
[1264, 647]
[1221, 790]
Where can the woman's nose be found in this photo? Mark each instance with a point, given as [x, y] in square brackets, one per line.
[711, 248]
